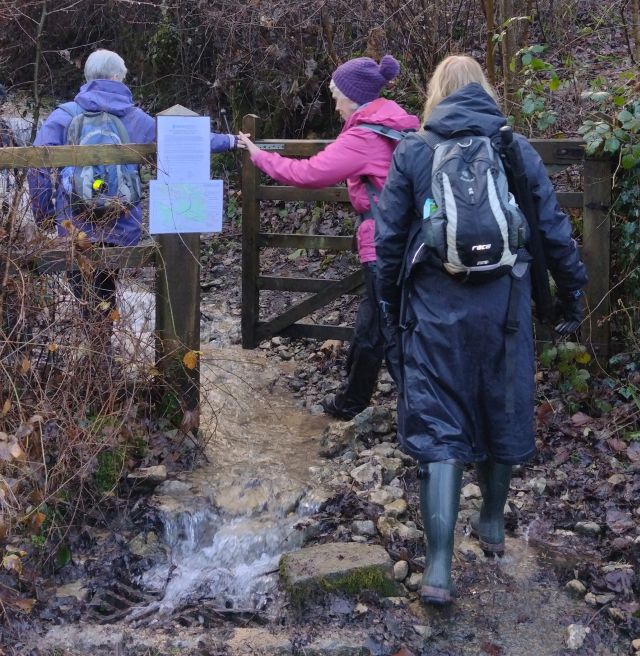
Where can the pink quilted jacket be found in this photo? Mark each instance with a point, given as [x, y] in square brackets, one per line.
[356, 153]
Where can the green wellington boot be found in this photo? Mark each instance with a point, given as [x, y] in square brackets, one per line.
[488, 524]
[439, 502]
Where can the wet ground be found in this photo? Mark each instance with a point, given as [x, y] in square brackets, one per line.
[225, 525]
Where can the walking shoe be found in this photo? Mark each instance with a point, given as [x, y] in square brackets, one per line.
[332, 407]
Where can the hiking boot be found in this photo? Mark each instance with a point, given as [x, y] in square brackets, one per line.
[440, 484]
[333, 405]
[488, 524]
[489, 548]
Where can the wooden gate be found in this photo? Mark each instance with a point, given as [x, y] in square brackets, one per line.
[557, 154]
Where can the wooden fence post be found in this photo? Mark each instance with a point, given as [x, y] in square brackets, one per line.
[597, 182]
[178, 312]
[250, 230]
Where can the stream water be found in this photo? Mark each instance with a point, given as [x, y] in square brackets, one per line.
[228, 522]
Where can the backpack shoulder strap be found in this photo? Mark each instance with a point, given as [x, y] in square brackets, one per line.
[72, 108]
[383, 130]
[431, 138]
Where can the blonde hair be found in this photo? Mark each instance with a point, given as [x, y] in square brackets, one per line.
[451, 74]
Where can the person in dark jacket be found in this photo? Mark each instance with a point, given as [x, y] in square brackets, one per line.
[104, 91]
[461, 400]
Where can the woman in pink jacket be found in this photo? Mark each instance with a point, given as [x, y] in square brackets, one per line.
[362, 157]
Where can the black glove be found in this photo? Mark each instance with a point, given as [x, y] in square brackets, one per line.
[390, 327]
[569, 309]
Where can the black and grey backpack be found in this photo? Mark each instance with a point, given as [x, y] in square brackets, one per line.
[472, 222]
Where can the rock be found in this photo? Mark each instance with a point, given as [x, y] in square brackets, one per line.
[360, 610]
[396, 508]
[576, 588]
[423, 630]
[152, 475]
[400, 570]
[384, 450]
[590, 599]
[174, 488]
[369, 475]
[413, 582]
[336, 438]
[374, 419]
[390, 467]
[75, 589]
[537, 485]
[576, 634]
[635, 644]
[471, 491]
[258, 642]
[470, 550]
[316, 410]
[588, 528]
[616, 614]
[339, 644]
[390, 526]
[147, 545]
[339, 566]
[382, 497]
[366, 527]
[84, 639]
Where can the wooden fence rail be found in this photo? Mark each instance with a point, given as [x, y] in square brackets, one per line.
[557, 154]
[176, 259]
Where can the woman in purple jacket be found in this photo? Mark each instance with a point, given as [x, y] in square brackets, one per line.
[359, 156]
[104, 91]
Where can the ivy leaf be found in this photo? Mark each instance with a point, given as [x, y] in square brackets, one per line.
[529, 106]
[629, 161]
[611, 145]
[554, 84]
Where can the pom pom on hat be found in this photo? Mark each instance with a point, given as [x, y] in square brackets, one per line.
[362, 79]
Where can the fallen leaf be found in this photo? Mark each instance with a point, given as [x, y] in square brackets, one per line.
[25, 605]
[114, 315]
[6, 406]
[12, 563]
[404, 652]
[16, 450]
[36, 521]
[52, 348]
[544, 413]
[190, 359]
[580, 419]
[25, 365]
[617, 445]
[331, 345]
[619, 521]
[633, 452]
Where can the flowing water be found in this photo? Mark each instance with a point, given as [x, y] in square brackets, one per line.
[228, 522]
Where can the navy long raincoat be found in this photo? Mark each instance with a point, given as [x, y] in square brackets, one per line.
[456, 399]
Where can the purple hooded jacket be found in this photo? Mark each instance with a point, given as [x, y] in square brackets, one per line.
[95, 96]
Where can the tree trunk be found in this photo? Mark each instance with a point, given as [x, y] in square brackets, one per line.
[489, 12]
[508, 51]
[635, 28]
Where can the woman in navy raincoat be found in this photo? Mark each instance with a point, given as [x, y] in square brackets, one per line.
[460, 398]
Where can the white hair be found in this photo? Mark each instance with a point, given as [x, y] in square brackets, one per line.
[338, 95]
[104, 65]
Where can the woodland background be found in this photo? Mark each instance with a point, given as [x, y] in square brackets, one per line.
[562, 68]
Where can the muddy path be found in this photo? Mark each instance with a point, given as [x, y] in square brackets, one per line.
[209, 582]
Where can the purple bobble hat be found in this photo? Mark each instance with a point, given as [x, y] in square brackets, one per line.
[362, 79]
